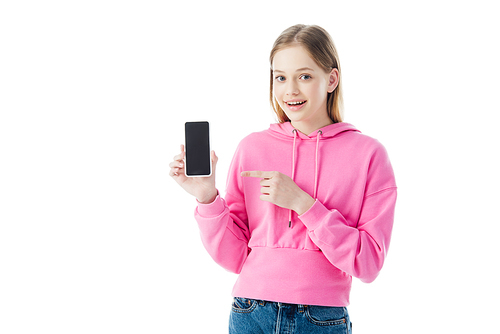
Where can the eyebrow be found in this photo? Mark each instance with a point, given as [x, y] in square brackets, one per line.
[298, 70]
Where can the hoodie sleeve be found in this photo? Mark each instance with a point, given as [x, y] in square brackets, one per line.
[358, 248]
[223, 225]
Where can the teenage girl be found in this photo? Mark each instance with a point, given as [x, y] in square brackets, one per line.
[309, 202]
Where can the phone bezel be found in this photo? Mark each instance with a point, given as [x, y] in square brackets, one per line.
[209, 150]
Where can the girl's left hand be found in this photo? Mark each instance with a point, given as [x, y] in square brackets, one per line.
[282, 191]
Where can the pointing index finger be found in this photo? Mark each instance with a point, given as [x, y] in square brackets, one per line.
[259, 174]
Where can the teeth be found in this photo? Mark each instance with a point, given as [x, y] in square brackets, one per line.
[295, 103]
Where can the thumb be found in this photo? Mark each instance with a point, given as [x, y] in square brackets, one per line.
[214, 159]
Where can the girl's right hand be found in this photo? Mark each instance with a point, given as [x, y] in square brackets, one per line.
[203, 188]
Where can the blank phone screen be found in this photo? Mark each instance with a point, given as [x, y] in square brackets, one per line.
[197, 149]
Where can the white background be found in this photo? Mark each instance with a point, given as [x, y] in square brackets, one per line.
[95, 237]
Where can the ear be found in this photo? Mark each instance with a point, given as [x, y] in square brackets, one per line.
[333, 80]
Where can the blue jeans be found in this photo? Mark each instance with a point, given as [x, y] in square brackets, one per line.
[250, 316]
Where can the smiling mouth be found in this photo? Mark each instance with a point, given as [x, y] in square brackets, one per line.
[296, 103]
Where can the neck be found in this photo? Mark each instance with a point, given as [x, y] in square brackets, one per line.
[307, 129]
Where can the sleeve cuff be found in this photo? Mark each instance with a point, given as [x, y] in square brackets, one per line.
[313, 217]
[214, 209]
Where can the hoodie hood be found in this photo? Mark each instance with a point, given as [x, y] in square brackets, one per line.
[286, 130]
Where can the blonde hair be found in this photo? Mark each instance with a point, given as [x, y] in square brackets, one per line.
[320, 47]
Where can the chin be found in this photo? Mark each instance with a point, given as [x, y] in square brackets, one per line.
[294, 117]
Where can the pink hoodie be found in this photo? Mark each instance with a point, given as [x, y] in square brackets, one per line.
[345, 233]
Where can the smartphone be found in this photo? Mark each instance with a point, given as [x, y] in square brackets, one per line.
[197, 148]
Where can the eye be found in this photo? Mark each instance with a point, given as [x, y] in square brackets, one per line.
[305, 77]
[280, 78]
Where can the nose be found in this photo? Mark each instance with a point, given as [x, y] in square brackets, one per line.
[292, 89]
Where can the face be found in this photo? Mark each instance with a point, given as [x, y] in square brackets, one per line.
[300, 86]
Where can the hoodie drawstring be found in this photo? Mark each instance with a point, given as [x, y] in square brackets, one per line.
[317, 163]
[315, 168]
[293, 174]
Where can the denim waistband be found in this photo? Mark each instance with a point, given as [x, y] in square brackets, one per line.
[281, 305]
